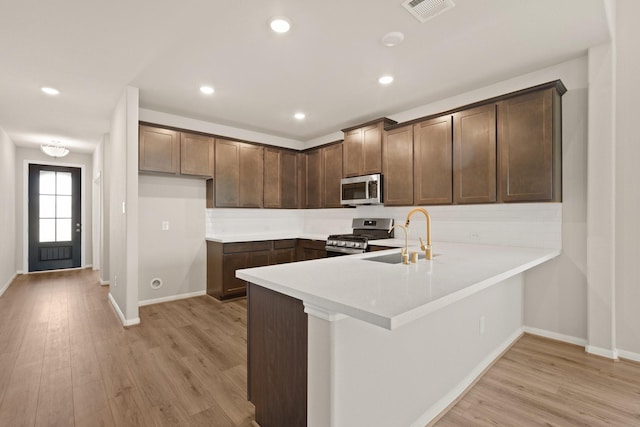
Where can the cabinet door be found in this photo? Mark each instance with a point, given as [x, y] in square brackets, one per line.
[196, 154]
[529, 148]
[397, 166]
[227, 174]
[238, 174]
[289, 179]
[159, 150]
[272, 178]
[251, 164]
[313, 179]
[310, 249]
[432, 161]
[372, 149]
[232, 262]
[353, 154]
[282, 256]
[230, 283]
[332, 173]
[474, 155]
[280, 178]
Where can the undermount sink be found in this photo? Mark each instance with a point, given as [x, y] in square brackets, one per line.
[394, 258]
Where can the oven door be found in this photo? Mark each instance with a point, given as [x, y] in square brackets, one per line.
[339, 251]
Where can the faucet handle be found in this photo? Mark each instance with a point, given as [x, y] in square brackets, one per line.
[422, 245]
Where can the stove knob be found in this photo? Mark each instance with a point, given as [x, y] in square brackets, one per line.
[341, 243]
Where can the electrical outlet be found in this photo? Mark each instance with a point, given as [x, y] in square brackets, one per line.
[481, 325]
[474, 235]
[165, 225]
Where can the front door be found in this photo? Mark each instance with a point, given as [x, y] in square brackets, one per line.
[54, 217]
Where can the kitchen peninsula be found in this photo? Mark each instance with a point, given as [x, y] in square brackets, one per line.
[357, 340]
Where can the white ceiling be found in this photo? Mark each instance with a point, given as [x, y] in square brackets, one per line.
[326, 66]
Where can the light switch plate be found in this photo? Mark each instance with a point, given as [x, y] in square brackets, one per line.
[165, 225]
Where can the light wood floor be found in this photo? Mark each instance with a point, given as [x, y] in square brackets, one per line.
[540, 382]
[65, 360]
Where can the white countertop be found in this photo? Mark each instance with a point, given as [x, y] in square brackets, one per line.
[258, 237]
[390, 295]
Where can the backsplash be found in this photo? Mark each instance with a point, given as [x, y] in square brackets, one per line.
[226, 222]
[523, 224]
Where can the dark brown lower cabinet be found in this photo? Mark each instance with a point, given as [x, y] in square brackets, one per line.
[311, 249]
[284, 251]
[223, 259]
[374, 248]
[276, 358]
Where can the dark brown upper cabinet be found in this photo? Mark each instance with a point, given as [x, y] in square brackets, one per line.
[280, 178]
[433, 161]
[196, 155]
[322, 173]
[474, 155]
[331, 175]
[529, 148]
[362, 148]
[159, 150]
[313, 179]
[238, 174]
[397, 166]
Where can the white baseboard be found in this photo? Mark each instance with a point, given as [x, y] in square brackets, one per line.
[629, 355]
[555, 336]
[171, 298]
[124, 321]
[88, 266]
[602, 352]
[9, 282]
[104, 282]
[458, 390]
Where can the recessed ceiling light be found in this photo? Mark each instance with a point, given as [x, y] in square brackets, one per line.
[280, 24]
[299, 116]
[393, 38]
[207, 90]
[50, 90]
[385, 80]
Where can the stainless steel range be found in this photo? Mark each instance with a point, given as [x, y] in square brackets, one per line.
[364, 229]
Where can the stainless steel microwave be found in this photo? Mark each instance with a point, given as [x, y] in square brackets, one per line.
[361, 190]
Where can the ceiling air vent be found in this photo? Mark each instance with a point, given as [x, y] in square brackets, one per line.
[424, 10]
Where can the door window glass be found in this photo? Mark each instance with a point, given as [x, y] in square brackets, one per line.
[55, 206]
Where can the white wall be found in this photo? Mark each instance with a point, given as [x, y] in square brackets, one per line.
[8, 234]
[97, 210]
[601, 203]
[24, 155]
[627, 178]
[176, 256]
[123, 207]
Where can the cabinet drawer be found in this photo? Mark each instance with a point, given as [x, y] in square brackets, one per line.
[231, 248]
[284, 244]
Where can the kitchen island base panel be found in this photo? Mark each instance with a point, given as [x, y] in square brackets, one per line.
[360, 374]
[276, 358]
